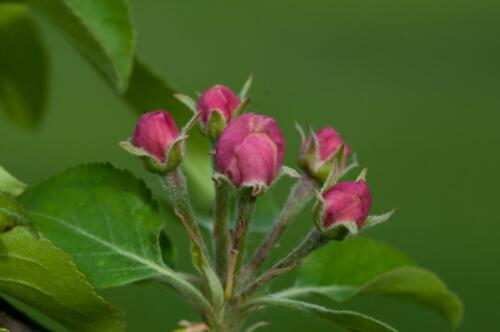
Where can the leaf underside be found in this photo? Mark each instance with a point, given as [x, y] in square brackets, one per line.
[344, 270]
[349, 320]
[40, 275]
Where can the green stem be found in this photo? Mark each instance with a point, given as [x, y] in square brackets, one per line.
[221, 228]
[246, 207]
[186, 289]
[300, 195]
[176, 185]
[313, 241]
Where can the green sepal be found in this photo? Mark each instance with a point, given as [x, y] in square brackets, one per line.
[330, 170]
[175, 153]
[242, 107]
[310, 155]
[151, 163]
[220, 178]
[341, 230]
[301, 132]
[285, 171]
[188, 101]
[362, 175]
[257, 187]
[372, 221]
[215, 125]
[246, 87]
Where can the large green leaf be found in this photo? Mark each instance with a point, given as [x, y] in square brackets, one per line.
[9, 184]
[23, 66]
[101, 30]
[104, 218]
[346, 269]
[38, 274]
[349, 320]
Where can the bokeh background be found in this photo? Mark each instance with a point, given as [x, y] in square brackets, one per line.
[413, 86]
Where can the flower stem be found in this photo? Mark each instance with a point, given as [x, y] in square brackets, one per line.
[177, 189]
[300, 195]
[176, 185]
[313, 241]
[246, 207]
[221, 228]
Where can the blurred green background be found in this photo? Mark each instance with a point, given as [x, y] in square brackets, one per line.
[413, 86]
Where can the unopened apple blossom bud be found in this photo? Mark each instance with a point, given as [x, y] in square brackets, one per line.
[250, 151]
[346, 202]
[155, 132]
[319, 151]
[157, 141]
[217, 106]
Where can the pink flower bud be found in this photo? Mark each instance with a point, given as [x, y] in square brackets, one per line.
[217, 99]
[329, 142]
[347, 201]
[155, 133]
[316, 160]
[250, 150]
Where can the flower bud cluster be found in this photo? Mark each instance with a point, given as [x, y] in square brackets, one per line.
[249, 151]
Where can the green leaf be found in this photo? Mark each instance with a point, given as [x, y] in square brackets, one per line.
[349, 320]
[104, 218]
[168, 253]
[147, 92]
[23, 67]
[38, 274]
[9, 184]
[11, 213]
[101, 30]
[346, 269]
[108, 223]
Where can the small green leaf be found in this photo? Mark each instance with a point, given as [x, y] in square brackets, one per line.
[23, 67]
[38, 274]
[349, 320]
[101, 30]
[346, 269]
[104, 218]
[9, 184]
